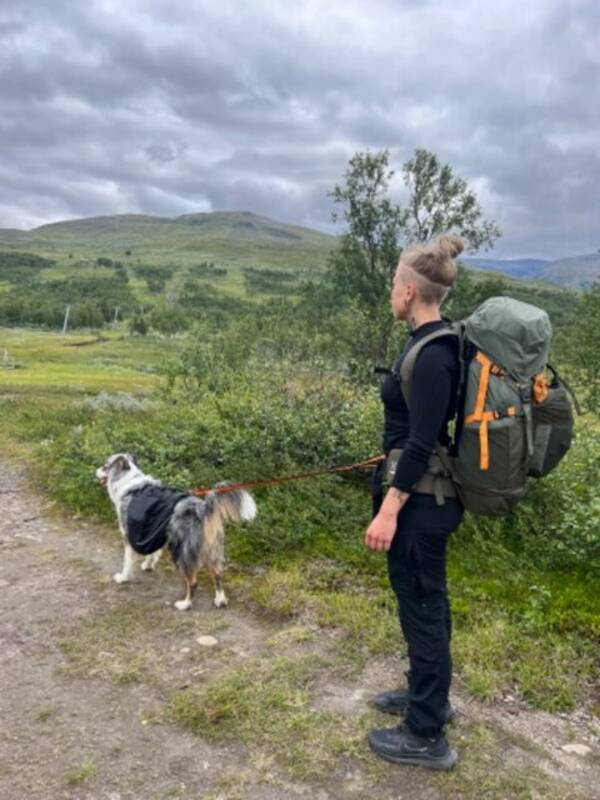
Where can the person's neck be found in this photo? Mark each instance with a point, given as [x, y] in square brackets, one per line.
[424, 314]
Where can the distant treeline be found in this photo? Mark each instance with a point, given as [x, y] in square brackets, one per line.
[32, 301]
[22, 267]
[93, 301]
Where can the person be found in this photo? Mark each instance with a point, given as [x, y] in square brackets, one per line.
[410, 522]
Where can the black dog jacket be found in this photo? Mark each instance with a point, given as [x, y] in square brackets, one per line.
[148, 515]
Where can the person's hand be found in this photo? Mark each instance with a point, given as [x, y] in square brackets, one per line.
[380, 532]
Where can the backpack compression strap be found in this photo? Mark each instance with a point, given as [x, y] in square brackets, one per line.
[482, 416]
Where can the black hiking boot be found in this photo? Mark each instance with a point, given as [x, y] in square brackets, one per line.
[396, 702]
[401, 746]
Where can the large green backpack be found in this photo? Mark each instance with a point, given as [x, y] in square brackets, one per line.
[512, 422]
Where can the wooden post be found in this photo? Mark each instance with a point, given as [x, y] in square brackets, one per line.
[66, 322]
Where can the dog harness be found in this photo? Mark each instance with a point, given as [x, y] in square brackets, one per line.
[148, 515]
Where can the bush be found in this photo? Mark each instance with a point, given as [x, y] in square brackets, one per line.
[139, 324]
[262, 424]
[168, 319]
[557, 525]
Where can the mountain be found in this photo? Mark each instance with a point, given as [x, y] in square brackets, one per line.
[230, 238]
[573, 272]
[239, 239]
[526, 268]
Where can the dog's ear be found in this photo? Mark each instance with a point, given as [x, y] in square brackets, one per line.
[133, 459]
[122, 462]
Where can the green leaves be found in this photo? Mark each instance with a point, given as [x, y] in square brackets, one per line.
[585, 348]
[441, 201]
[362, 267]
[375, 223]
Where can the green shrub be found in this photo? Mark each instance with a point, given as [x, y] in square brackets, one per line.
[231, 410]
[557, 525]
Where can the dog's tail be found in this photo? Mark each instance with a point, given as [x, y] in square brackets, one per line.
[187, 540]
[235, 506]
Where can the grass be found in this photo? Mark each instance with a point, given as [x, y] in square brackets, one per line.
[364, 620]
[79, 773]
[266, 704]
[269, 705]
[548, 672]
[46, 713]
[502, 644]
[491, 767]
[52, 365]
[521, 631]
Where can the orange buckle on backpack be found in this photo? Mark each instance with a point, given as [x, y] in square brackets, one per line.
[541, 388]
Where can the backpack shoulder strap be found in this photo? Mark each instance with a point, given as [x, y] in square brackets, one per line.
[407, 367]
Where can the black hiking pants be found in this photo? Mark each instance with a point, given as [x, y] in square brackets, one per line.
[417, 573]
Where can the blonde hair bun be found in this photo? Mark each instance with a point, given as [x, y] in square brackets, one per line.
[448, 245]
[434, 264]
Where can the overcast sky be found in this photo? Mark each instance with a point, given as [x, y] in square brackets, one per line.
[173, 106]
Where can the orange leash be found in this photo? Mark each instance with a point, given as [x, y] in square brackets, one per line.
[231, 487]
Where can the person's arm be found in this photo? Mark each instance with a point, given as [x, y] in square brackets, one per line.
[430, 396]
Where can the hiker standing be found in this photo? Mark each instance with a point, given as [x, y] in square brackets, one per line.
[416, 509]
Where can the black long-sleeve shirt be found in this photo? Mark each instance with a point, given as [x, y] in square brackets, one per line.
[432, 406]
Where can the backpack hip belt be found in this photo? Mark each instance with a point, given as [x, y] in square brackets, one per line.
[435, 480]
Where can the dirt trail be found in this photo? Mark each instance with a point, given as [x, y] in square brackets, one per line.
[92, 730]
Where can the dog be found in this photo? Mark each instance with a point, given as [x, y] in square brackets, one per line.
[152, 516]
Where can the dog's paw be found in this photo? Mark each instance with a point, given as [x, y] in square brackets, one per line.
[119, 577]
[147, 565]
[183, 605]
[220, 600]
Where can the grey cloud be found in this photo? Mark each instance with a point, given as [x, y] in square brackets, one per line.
[171, 107]
[165, 153]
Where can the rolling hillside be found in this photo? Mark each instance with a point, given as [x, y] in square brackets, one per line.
[236, 242]
[229, 238]
[173, 269]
